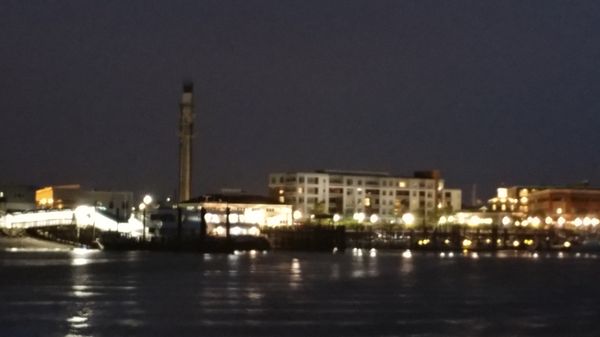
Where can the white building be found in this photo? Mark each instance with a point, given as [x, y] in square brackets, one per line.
[248, 214]
[349, 193]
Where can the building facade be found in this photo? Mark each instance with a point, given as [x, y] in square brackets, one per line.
[72, 196]
[568, 203]
[248, 214]
[549, 205]
[17, 198]
[348, 193]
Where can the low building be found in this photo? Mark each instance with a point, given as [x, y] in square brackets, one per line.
[72, 196]
[574, 206]
[364, 195]
[17, 198]
[542, 206]
[248, 214]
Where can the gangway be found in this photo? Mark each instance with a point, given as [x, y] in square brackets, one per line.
[82, 216]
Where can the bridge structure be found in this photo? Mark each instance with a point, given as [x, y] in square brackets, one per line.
[81, 217]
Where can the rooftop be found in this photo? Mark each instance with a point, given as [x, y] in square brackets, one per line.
[232, 199]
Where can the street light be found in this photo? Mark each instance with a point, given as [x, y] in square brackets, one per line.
[408, 219]
[146, 201]
[297, 215]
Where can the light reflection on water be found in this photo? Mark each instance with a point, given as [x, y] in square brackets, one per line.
[357, 293]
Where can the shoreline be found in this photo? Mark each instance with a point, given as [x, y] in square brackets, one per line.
[28, 243]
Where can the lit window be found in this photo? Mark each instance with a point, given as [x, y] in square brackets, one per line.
[367, 202]
[402, 184]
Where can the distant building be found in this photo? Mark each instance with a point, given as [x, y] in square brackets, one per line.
[71, 196]
[248, 214]
[549, 205]
[352, 193]
[569, 203]
[505, 202]
[17, 197]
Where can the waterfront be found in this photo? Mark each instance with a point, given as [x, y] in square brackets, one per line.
[358, 293]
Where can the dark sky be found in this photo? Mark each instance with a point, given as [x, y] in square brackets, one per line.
[490, 92]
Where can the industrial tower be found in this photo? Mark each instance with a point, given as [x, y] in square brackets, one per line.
[186, 133]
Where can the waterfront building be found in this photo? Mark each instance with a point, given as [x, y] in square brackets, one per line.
[566, 206]
[17, 198]
[72, 196]
[248, 214]
[544, 206]
[370, 196]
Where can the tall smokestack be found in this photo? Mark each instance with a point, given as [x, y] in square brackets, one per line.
[186, 133]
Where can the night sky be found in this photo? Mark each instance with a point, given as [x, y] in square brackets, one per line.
[489, 92]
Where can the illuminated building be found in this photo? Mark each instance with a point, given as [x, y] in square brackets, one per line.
[502, 202]
[356, 193]
[72, 196]
[248, 214]
[549, 205]
[571, 206]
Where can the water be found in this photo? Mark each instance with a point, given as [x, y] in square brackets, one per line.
[297, 294]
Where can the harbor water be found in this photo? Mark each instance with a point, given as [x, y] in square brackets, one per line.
[356, 293]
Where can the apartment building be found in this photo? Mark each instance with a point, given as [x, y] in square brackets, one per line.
[367, 193]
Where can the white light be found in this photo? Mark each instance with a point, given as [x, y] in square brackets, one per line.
[374, 218]
[373, 252]
[578, 222]
[213, 218]
[567, 244]
[236, 230]
[142, 206]
[442, 220]
[408, 219]
[219, 231]
[407, 254]
[474, 220]
[360, 217]
[561, 221]
[336, 217]
[548, 220]
[254, 231]
[147, 199]
[587, 221]
[297, 215]
[535, 221]
[233, 218]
